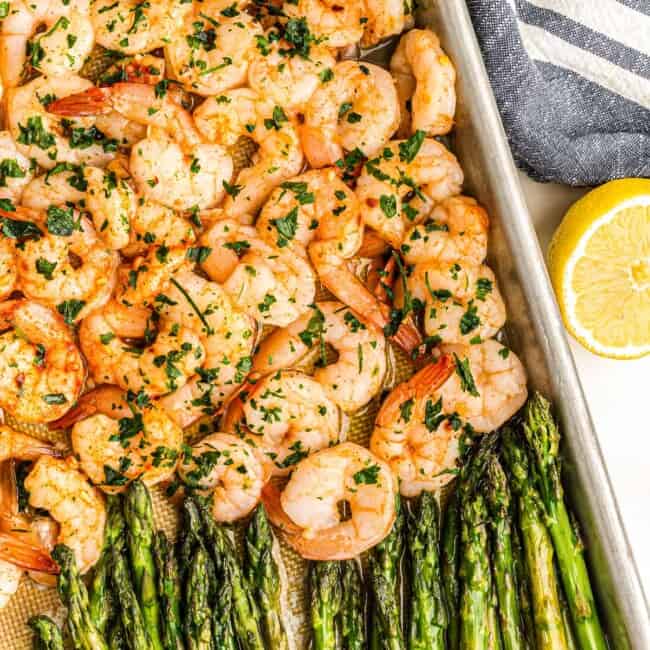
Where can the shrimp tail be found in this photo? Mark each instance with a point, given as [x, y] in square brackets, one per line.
[372, 245]
[94, 101]
[26, 556]
[19, 445]
[106, 399]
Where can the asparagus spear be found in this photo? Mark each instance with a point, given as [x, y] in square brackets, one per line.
[102, 603]
[428, 611]
[48, 634]
[138, 513]
[116, 637]
[246, 615]
[325, 604]
[523, 584]
[450, 550]
[538, 549]
[495, 639]
[263, 573]
[505, 577]
[543, 436]
[475, 575]
[169, 592]
[131, 617]
[74, 596]
[383, 574]
[223, 631]
[198, 616]
[353, 627]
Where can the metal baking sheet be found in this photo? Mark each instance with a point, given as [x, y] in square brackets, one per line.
[535, 329]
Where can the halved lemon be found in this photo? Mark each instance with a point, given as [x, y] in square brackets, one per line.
[599, 261]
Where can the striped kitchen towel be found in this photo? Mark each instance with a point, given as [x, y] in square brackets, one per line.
[572, 81]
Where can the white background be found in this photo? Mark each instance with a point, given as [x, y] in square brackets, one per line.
[618, 393]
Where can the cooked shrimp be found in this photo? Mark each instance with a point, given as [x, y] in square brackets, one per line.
[400, 186]
[173, 165]
[15, 169]
[62, 186]
[118, 440]
[425, 77]
[357, 375]
[236, 113]
[158, 368]
[385, 18]
[228, 468]
[357, 109]
[58, 486]
[41, 368]
[273, 285]
[308, 510]
[288, 415]
[413, 436]
[462, 303]
[135, 27]
[68, 267]
[331, 22]
[212, 49]
[65, 38]
[10, 576]
[289, 81]
[456, 231]
[8, 271]
[228, 336]
[47, 138]
[488, 387]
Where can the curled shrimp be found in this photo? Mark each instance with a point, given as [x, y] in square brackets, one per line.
[230, 469]
[271, 284]
[289, 81]
[118, 440]
[357, 109]
[455, 231]
[357, 375]
[135, 27]
[400, 186]
[15, 169]
[173, 166]
[58, 486]
[41, 368]
[212, 49]
[488, 386]
[47, 138]
[462, 303]
[67, 266]
[64, 186]
[65, 38]
[425, 77]
[412, 435]
[241, 113]
[331, 22]
[228, 336]
[288, 415]
[308, 510]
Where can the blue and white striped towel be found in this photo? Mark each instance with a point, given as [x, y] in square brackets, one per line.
[572, 81]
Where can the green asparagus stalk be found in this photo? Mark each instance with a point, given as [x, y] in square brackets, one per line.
[246, 615]
[523, 583]
[384, 564]
[325, 604]
[116, 637]
[131, 616]
[138, 513]
[504, 571]
[476, 589]
[263, 573]
[538, 549]
[198, 615]
[48, 635]
[102, 604]
[353, 626]
[223, 631]
[566, 621]
[428, 611]
[169, 592]
[450, 551]
[74, 596]
[495, 639]
[543, 436]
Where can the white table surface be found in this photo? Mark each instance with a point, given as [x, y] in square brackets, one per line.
[617, 393]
